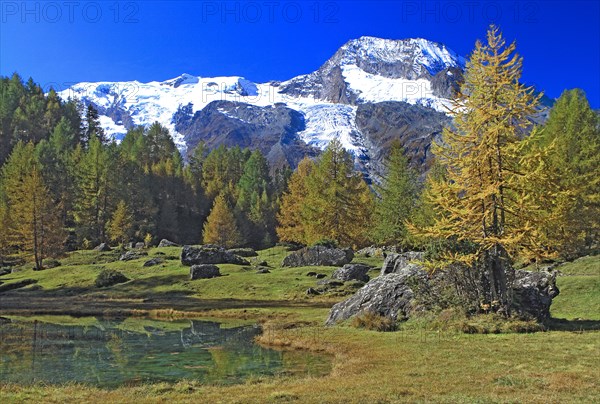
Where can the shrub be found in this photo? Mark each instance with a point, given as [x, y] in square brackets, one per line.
[373, 321]
[325, 242]
[109, 277]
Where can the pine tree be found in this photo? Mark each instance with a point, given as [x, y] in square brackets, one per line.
[220, 227]
[92, 125]
[93, 196]
[564, 155]
[120, 225]
[480, 202]
[254, 206]
[398, 197]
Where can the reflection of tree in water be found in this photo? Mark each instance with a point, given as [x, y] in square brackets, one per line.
[109, 356]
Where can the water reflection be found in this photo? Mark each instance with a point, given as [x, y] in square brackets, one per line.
[111, 353]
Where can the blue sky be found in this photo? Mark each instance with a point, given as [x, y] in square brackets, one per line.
[60, 42]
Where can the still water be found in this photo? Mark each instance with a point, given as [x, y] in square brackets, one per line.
[112, 353]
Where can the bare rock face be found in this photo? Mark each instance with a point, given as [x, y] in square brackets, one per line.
[204, 271]
[102, 247]
[352, 272]
[132, 255]
[209, 254]
[533, 293]
[167, 243]
[396, 262]
[387, 295]
[243, 252]
[318, 256]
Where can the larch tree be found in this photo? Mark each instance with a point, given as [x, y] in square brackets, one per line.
[291, 218]
[478, 201]
[35, 225]
[120, 225]
[221, 227]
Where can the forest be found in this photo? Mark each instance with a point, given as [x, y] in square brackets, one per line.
[500, 182]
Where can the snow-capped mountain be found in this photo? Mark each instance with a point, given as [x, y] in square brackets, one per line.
[289, 119]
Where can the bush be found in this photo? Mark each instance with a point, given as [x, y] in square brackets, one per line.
[373, 321]
[325, 242]
[109, 277]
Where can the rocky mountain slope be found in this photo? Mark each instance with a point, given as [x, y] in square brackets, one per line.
[370, 92]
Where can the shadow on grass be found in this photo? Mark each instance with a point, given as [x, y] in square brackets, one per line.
[578, 325]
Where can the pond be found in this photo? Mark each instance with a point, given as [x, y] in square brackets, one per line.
[112, 353]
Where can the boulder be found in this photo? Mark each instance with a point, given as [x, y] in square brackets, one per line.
[387, 295]
[102, 247]
[209, 254]
[352, 272]
[533, 293]
[132, 255]
[263, 271]
[243, 252]
[374, 251]
[394, 263]
[140, 245]
[330, 283]
[153, 261]
[167, 243]
[318, 256]
[204, 271]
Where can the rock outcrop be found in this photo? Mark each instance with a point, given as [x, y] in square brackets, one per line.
[318, 256]
[352, 272]
[132, 255]
[204, 271]
[533, 293]
[387, 295]
[394, 263]
[209, 254]
[167, 243]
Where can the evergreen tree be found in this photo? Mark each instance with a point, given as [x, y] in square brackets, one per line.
[220, 227]
[92, 125]
[92, 203]
[398, 197]
[480, 203]
[254, 203]
[564, 155]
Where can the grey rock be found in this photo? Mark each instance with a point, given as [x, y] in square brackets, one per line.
[167, 243]
[153, 261]
[263, 271]
[388, 295]
[318, 256]
[139, 245]
[350, 272]
[102, 247]
[132, 255]
[394, 263]
[533, 293]
[243, 252]
[330, 283]
[209, 254]
[204, 271]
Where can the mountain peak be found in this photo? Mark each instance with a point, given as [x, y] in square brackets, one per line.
[420, 55]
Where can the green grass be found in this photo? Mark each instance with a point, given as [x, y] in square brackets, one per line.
[410, 365]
